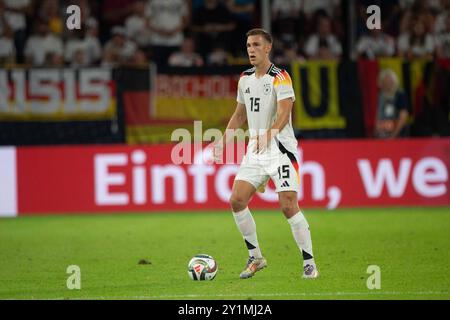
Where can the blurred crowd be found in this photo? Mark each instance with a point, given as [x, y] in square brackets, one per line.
[410, 29]
[212, 32]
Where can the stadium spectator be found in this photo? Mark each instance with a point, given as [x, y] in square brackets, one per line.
[82, 49]
[418, 43]
[7, 48]
[44, 48]
[186, 57]
[212, 23]
[137, 26]
[426, 10]
[323, 44]
[91, 26]
[314, 10]
[242, 13]
[114, 12]
[375, 44]
[49, 11]
[158, 27]
[168, 19]
[218, 56]
[16, 15]
[392, 111]
[405, 22]
[443, 41]
[441, 18]
[119, 50]
[288, 55]
[287, 19]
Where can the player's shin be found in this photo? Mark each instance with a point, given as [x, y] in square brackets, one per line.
[302, 236]
[247, 227]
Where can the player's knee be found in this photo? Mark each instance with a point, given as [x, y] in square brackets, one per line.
[238, 203]
[289, 206]
[289, 210]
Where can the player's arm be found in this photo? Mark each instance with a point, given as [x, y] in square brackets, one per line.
[402, 121]
[284, 108]
[403, 115]
[237, 120]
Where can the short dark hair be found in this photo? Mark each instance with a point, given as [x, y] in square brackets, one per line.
[260, 32]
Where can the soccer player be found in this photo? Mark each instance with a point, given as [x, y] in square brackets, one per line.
[264, 99]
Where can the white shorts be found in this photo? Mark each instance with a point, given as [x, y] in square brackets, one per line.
[281, 167]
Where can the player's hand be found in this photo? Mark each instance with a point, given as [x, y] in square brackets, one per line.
[218, 151]
[262, 143]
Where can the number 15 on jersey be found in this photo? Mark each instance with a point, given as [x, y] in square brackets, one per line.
[254, 104]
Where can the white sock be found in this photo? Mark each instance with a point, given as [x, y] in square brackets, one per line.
[247, 227]
[302, 236]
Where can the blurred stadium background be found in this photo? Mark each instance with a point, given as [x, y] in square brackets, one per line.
[86, 118]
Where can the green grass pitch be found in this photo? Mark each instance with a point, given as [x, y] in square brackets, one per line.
[410, 245]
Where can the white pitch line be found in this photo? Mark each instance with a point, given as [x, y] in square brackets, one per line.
[262, 295]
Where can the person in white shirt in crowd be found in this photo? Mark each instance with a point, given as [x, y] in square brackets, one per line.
[119, 49]
[44, 48]
[167, 21]
[137, 25]
[186, 57]
[417, 43]
[323, 44]
[443, 41]
[82, 49]
[7, 48]
[441, 18]
[16, 15]
[218, 56]
[92, 39]
[375, 44]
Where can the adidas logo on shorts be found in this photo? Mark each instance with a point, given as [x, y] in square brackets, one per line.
[285, 184]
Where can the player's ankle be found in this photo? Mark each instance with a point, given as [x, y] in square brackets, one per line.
[309, 262]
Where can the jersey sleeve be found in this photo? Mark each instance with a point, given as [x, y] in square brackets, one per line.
[282, 85]
[240, 94]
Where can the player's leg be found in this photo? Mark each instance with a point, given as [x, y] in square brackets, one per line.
[284, 174]
[300, 231]
[241, 195]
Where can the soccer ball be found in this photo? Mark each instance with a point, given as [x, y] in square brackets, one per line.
[202, 267]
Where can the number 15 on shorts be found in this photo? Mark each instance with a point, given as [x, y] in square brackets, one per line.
[283, 171]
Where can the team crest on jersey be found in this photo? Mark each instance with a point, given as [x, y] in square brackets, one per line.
[267, 88]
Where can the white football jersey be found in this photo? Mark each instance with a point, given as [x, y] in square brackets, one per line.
[260, 97]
